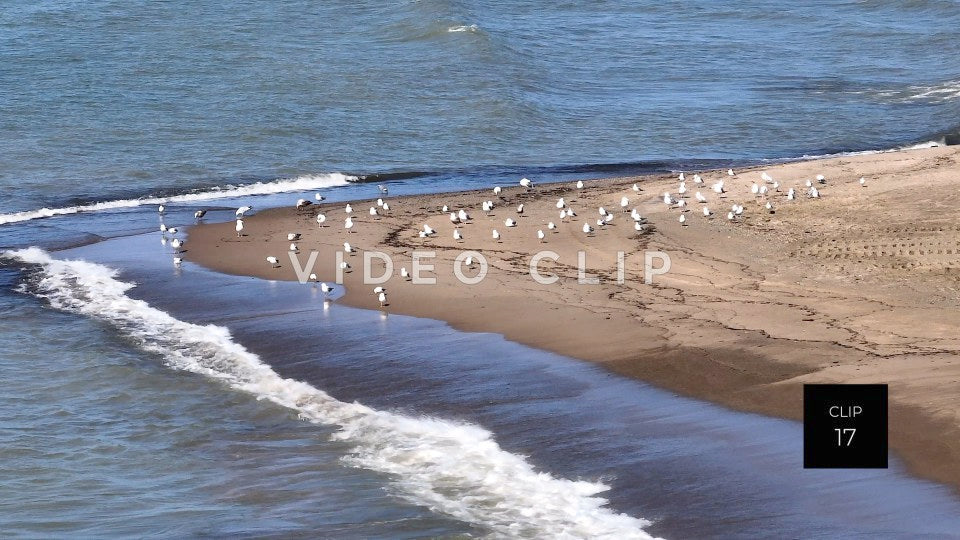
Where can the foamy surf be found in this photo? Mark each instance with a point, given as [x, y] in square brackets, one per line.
[453, 468]
[300, 183]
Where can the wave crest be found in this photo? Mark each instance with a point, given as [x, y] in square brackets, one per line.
[455, 468]
[300, 183]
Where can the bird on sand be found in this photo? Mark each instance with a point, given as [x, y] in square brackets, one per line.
[243, 210]
[273, 261]
[239, 228]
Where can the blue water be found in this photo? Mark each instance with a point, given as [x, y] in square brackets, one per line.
[108, 101]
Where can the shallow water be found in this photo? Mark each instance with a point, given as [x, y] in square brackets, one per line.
[195, 456]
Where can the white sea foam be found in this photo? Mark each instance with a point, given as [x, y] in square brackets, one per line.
[918, 146]
[300, 183]
[464, 28]
[451, 467]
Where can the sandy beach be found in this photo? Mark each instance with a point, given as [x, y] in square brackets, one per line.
[856, 286]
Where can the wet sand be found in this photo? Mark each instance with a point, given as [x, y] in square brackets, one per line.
[857, 286]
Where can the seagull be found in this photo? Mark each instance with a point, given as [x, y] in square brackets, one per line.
[754, 189]
[456, 235]
[769, 207]
[320, 219]
[540, 235]
[319, 197]
[347, 247]
[636, 188]
[791, 195]
[303, 203]
[525, 182]
[776, 186]
[469, 262]
[293, 236]
[239, 228]
[579, 184]
[327, 289]
[386, 207]
[378, 290]
[763, 191]
[520, 208]
[428, 230]
[624, 203]
[373, 210]
[608, 218]
[273, 261]
[601, 223]
[667, 199]
[822, 179]
[682, 189]
[345, 266]
[552, 226]
[454, 218]
[730, 172]
[697, 179]
[496, 236]
[706, 212]
[348, 224]
[163, 228]
[313, 277]
[403, 272]
[766, 178]
[700, 197]
[172, 230]
[486, 207]
[863, 182]
[444, 209]
[293, 247]
[348, 209]
[602, 211]
[496, 190]
[463, 215]
[510, 223]
[571, 213]
[739, 210]
[199, 214]
[161, 208]
[730, 216]
[383, 189]
[636, 215]
[176, 244]
[177, 261]
[718, 188]
[382, 298]
[563, 214]
[243, 210]
[560, 203]
[637, 226]
[587, 229]
[808, 183]
[681, 177]
[814, 193]
[683, 220]
[681, 203]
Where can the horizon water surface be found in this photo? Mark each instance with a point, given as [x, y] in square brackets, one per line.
[124, 418]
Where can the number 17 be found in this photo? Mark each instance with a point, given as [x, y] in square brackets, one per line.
[843, 432]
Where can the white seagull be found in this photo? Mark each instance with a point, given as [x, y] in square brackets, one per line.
[540, 235]
[525, 182]
[293, 236]
[273, 261]
[496, 235]
[348, 224]
[239, 228]
[243, 210]
[510, 223]
[320, 219]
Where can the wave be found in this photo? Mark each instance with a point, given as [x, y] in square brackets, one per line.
[464, 28]
[454, 468]
[300, 183]
[924, 93]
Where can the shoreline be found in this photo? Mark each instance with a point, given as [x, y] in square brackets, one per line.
[749, 311]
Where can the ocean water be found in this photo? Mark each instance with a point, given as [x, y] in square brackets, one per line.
[124, 414]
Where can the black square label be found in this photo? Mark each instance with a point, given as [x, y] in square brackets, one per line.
[845, 426]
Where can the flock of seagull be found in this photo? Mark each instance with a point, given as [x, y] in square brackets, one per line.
[765, 192]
